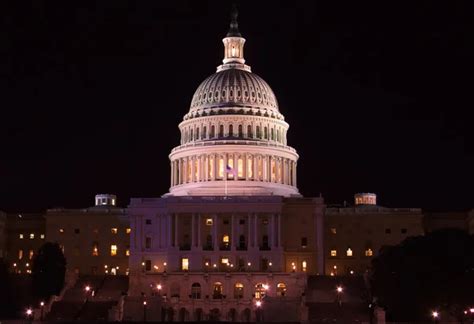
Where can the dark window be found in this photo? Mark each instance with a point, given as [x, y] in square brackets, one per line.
[148, 265]
[77, 231]
[148, 222]
[404, 230]
[304, 241]
[388, 231]
[148, 242]
[226, 222]
[242, 221]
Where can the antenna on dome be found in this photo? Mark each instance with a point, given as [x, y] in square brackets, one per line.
[234, 25]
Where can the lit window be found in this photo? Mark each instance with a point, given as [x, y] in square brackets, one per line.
[30, 254]
[128, 230]
[185, 264]
[95, 249]
[333, 230]
[349, 252]
[114, 230]
[333, 253]
[127, 251]
[113, 250]
[61, 230]
[281, 289]
[225, 260]
[21, 236]
[32, 236]
[113, 202]
[238, 291]
[42, 236]
[304, 265]
[368, 252]
[225, 239]
[209, 221]
[20, 254]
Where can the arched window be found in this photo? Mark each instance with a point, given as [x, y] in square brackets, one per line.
[281, 289]
[213, 131]
[204, 133]
[249, 167]
[220, 168]
[231, 130]
[258, 132]
[272, 134]
[221, 131]
[265, 245]
[265, 132]
[240, 167]
[191, 134]
[242, 242]
[197, 133]
[196, 291]
[260, 290]
[174, 289]
[217, 291]
[238, 291]
[249, 131]
[241, 132]
[211, 167]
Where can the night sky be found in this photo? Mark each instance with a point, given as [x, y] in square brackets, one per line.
[378, 95]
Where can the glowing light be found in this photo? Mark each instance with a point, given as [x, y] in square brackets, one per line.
[159, 287]
[29, 311]
[42, 304]
[143, 264]
[155, 267]
[351, 272]
[270, 264]
[265, 286]
[249, 264]
[164, 263]
[258, 303]
[435, 314]
[471, 310]
[144, 303]
[339, 289]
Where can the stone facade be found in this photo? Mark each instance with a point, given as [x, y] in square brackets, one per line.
[95, 240]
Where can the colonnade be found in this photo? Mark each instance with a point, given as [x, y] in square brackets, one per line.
[249, 167]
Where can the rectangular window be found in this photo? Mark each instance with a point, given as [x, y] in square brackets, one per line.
[333, 230]
[77, 231]
[388, 231]
[20, 254]
[32, 236]
[128, 230]
[220, 168]
[127, 250]
[403, 230]
[21, 236]
[349, 252]
[61, 230]
[333, 253]
[240, 168]
[226, 222]
[147, 242]
[42, 236]
[249, 168]
[225, 260]
[368, 252]
[148, 222]
[30, 254]
[242, 221]
[304, 242]
[304, 265]
[114, 230]
[113, 250]
[147, 265]
[209, 221]
[185, 264]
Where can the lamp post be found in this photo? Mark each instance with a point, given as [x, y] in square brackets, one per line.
[435, 316]
[29, 314]
[339, 291]
[144, 310]
[42, 310]
[258, 311]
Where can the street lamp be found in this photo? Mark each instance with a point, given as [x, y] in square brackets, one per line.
[42, 310]
[144, 310]
[258, 311]
[435, 315]
[29, 313]
[339, 291]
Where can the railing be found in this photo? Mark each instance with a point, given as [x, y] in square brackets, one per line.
[234, 142]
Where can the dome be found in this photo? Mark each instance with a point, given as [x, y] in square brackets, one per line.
[232, 88]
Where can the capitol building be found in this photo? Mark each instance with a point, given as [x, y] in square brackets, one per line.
[233, 230]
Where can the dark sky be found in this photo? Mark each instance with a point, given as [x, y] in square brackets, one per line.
[378, 95]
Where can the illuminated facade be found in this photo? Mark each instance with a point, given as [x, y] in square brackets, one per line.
[233, 234]
[97, 244]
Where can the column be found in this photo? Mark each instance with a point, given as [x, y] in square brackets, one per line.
[185, 167]
[214, 176]
[272, 232]
[294, 171]
[172, 173]
[168, 235]
[176, 230]
[206, 167]
[236, 167]
[199, 231]
[214, 234]
[233, 240]
[193, 229]
[255, 168]
[279, 230]
[193, 171]
[255, 231]
[249, 227]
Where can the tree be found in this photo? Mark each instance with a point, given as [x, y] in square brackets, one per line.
[8, 304]
[425, 273]
[48, 271]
